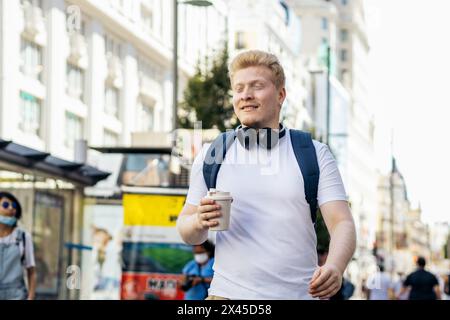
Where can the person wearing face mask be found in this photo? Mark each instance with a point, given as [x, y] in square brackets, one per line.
[16, 250]
[198, 272]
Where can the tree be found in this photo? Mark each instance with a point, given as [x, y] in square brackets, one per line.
[207, 97]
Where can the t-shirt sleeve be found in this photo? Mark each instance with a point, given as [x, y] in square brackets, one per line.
[331, 187]
[29, 251]
[197, 186]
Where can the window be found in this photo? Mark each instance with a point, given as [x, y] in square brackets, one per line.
[324, 23]
[112, 101]
[344, 35]
[240, 41]
[31, 55]
[146, 19]
[74, 129]
[343, 55]
[110, 138]
[30, 114]
[146, 117]
[112, 47]
[75, 82]
[344, 76]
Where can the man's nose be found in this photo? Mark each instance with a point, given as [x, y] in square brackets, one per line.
[247, 94]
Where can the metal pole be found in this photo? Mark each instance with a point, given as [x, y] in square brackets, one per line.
[175, 64]
[328, 94]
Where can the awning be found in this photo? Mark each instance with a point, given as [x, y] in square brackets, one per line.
[134, 150]
[42, 162]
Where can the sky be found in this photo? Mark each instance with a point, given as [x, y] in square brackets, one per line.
[409, 67]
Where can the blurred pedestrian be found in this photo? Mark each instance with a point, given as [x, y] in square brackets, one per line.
[198, 272]
[424, 285]
[16, 251]
[380, 286]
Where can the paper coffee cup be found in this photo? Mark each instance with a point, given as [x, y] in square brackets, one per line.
[223, 199]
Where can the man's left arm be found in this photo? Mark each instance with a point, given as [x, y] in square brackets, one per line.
[327, 279]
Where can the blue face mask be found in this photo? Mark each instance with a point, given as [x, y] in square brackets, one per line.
[9, 221]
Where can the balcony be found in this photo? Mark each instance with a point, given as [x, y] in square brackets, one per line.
[78, 50]
[34, 24]
[149, 89]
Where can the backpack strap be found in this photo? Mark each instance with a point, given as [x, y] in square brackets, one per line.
[215, 156]
[305, 152]
[21, 238]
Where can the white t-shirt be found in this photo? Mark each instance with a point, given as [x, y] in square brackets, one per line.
[29, 251]
[269, 251]
[379, 285]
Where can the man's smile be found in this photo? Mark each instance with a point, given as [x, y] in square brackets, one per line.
[249, 107]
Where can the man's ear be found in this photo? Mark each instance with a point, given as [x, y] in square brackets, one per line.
[281, 95]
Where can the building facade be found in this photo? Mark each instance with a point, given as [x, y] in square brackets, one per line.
[96, 70]
[273, 26]
[401, 235]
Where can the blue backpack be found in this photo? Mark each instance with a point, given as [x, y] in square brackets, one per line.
[304, 151]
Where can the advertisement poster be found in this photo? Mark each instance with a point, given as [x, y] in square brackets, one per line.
[151, 286]
[103, 224]
[153, 254]
[153, 270]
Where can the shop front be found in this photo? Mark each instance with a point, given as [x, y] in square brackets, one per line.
[51, 192]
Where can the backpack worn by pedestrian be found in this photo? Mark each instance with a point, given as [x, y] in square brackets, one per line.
[21, 237]
[304, 151]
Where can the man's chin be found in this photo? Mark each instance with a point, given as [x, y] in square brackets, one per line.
[250, 123]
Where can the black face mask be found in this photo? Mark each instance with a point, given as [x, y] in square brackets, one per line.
[266, 137]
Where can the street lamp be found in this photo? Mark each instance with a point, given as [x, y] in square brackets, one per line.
[197, 3]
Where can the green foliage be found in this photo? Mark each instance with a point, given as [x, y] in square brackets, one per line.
[207, 97]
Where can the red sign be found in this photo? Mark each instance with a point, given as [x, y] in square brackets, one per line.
[151, 286]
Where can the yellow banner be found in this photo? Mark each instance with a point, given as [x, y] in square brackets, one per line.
[152, 210]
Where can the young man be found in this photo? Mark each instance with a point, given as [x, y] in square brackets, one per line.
[269, 250]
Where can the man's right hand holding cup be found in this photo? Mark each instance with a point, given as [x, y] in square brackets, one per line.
[207, 213]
